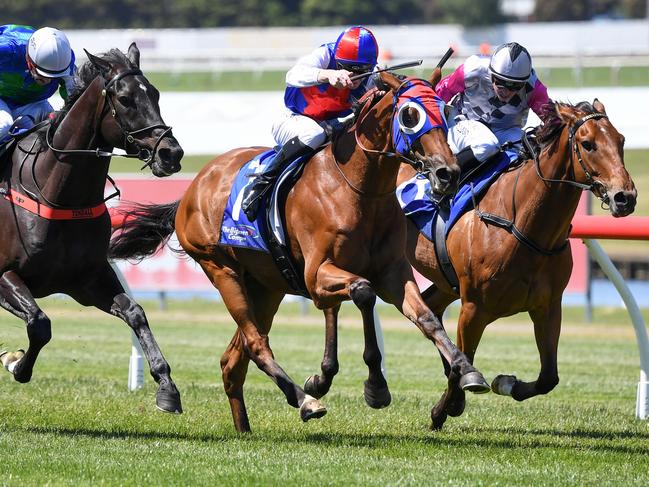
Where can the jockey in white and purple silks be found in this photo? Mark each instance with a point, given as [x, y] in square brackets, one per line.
[318, 97]
[494, 95]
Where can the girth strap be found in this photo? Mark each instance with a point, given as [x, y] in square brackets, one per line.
[441, 251]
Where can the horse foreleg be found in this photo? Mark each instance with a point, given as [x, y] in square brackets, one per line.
[547, 328]
[106, 293]
[336, 284]
[400, 289]
[234, 367]
[319, 385]
[16, 298]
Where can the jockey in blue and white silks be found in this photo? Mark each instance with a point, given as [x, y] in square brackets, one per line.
[319, 95]
[34, 64]
[492, 96]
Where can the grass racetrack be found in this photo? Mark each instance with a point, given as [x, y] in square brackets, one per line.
[76, 423]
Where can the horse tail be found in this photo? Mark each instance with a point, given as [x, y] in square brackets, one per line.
[142, 230]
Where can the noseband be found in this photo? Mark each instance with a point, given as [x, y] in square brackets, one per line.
[144, 154]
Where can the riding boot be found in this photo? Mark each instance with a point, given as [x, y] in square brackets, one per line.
[254, 191]
[468, 163]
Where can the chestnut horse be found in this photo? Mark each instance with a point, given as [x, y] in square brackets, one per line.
[345, 231]
[55, 226]
[511, 253]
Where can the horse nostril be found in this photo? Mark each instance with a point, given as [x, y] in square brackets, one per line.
[443, 175]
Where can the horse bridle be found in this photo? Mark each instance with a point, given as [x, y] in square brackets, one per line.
[592, 184]
[510, 226]
[417, 164]
[144, 154]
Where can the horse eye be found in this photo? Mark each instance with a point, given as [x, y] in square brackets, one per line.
[410, 118]
[125, 101]
[588, 145]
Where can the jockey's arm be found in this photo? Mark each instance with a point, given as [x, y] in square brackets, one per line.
[312, 70]
[538, 97]
[451, 85]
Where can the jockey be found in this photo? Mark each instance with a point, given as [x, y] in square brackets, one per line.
[319, 95]
[494, 95]
[33, 65]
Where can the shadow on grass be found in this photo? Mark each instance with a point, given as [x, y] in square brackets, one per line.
[503, 438]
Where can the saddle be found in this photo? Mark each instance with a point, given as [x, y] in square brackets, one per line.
[21, 128]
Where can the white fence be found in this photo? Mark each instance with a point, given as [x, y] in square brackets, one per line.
[574, 44]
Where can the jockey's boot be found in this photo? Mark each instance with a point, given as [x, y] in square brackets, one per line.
[254, 191]
[468, 162]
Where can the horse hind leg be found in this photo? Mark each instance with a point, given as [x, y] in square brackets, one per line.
[16, 298]
[319, 385]
[253, 328]
[234, 367]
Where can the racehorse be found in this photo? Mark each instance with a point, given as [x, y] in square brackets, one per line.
[56, 227]
[345, 231]
[511, 253]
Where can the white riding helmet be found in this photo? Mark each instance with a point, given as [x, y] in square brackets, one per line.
[49, 50]
[511, 62]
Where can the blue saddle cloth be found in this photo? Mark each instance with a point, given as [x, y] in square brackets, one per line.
[415, 199]
[236, 229]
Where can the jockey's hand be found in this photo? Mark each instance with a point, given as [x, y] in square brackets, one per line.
[338, 78]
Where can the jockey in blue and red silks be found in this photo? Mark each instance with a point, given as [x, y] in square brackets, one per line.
[319, 95]
[494, 95]
[34, 64]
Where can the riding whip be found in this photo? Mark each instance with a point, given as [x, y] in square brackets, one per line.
[409, 64]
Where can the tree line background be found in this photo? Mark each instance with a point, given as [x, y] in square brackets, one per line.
[94, 14]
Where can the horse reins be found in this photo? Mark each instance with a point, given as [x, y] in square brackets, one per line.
[509, 224]
[144, 154]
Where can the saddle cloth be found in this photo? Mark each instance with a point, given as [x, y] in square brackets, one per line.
[416, 199]
[236, 229]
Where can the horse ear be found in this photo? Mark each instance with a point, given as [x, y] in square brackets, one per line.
[390, 80]
[99, 63]
[435, 77]
[134, 54]
[599, 106]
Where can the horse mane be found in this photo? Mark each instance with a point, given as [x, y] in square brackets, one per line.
[553, 124]
[86, 75]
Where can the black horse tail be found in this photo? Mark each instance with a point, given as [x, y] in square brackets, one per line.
[143, 230]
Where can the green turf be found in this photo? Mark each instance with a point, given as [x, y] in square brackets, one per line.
[275, 80]
[75, 423]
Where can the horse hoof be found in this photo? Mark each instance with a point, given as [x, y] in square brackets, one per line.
[311, 387]
[474, 382]
[168, 402]
[10, 359]
[438, 420]
[311, 408]
[503, 384]
[377, 397]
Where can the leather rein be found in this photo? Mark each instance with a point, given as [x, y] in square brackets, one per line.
[53, 211]
[367, 102]
[592, 185]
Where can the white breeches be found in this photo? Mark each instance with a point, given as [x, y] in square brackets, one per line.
[38, 111]
[483, 142]
[291, 125]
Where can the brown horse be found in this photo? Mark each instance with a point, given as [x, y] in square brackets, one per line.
[346, 232]
[511, 254]
[55, 226]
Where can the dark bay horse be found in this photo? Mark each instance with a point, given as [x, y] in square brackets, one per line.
[501, 274]
[346, 233]
[55, 226]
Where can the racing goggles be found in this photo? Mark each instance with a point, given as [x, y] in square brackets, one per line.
[355, 68]
[510, 85]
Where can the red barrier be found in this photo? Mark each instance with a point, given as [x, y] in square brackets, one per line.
[607, 227]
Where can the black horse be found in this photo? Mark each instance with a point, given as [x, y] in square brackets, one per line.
[55, 225]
